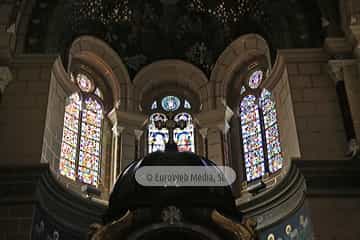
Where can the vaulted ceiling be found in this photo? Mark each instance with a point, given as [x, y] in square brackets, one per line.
[197, 31]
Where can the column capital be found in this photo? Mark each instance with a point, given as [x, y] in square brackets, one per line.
[117, 130]
[212, 118]
[224, 127]
[5, 78]
[203, 132]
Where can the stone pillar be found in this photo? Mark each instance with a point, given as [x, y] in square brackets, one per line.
[224, 128]
[5, 79]
[217, 124]
[115, 151]
[138, 133]
[204, 134]
[126, 138]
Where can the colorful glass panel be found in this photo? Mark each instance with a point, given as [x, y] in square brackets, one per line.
[90, 147]
[70, 137]
[88, 176]
[242, 90]
[271, 131]
[255, 79]
[252, 138]
[157, 138]
[154, 105]
[84, 82]
[184, 138]
[187, 105]
[170, 103]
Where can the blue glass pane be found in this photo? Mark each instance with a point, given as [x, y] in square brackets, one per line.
[170, 103]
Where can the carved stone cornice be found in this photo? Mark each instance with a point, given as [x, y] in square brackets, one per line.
[131, 120]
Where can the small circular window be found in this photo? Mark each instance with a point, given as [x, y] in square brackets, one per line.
[84, 83]
[170, 103]
[255, 79]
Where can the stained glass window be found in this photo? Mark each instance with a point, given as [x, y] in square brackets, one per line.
[255, 79]
[170, 103]
[271, 131]
[187, 105]
[84, 82]
[157, 136]
[154, 105]
[81, 142]
[184, 138]
[260, 135]
[70, 137]
[252, 138]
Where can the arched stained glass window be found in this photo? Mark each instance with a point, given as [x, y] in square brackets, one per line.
[171, 115]
[157, 138]
[184, 136]
[259, 130]
[252, 139]
[81, 143]
[271, 131]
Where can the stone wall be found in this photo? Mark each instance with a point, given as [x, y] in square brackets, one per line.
[16, 221]
[317, 112]
[23, 111]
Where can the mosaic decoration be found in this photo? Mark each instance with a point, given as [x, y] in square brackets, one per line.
[84, 82]
[170, 103]
[46, 227]
[255, 79]
[157, 138]
[90, 149]
[272, 136]
[252, 139]
[184, 138]
[69, 139]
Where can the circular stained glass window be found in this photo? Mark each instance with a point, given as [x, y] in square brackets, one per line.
[255, 79]
[170, 103]
[84, 82]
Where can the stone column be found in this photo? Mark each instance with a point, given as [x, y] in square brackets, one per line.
[138, 133]
[224, 128]
[5, 79]
[116, 151]
[204, 133]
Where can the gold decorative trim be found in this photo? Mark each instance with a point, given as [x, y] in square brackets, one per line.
[243, 231]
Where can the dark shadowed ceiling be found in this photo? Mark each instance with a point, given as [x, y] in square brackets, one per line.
[197, 31]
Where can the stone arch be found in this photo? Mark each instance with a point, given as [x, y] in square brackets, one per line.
[97, 54]
[173, 74]
[231, 59]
